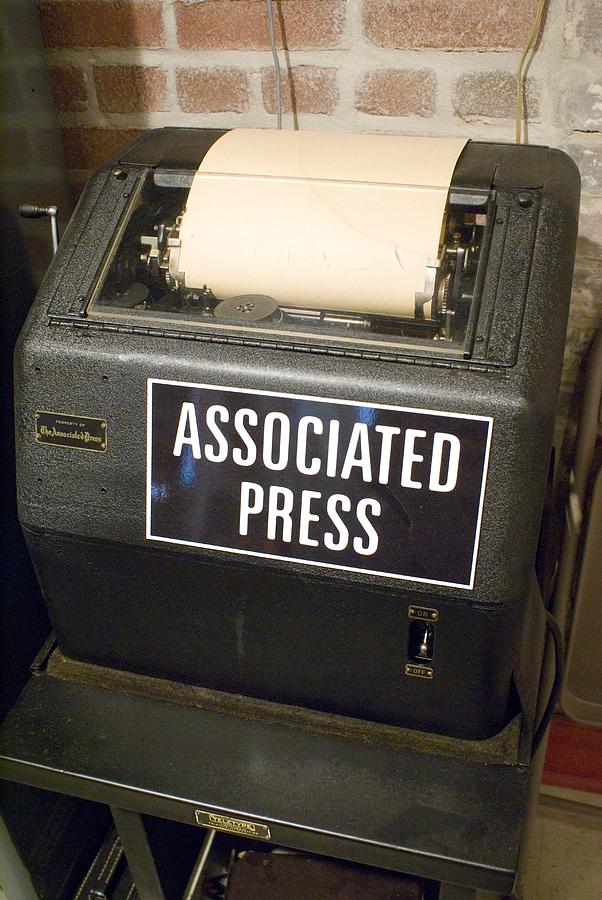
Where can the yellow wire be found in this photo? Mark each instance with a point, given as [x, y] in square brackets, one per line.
[519, 72]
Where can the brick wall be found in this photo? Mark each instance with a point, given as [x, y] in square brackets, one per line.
[401, 66]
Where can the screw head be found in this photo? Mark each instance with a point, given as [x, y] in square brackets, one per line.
[525, 200]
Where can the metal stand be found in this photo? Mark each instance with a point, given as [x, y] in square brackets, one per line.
[134, 841]
[446, 818]
[194, 888]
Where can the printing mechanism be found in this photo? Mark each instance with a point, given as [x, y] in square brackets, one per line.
[142, 281]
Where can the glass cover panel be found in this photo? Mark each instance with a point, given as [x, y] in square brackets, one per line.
[140, 283]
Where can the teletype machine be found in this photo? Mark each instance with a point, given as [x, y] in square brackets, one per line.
[284, 416]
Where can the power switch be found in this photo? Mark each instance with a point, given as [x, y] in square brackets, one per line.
[422, 641]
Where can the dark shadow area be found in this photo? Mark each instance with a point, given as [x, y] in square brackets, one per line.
[55, 837]
[24, 624]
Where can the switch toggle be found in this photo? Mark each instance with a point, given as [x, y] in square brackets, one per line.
[422, 641]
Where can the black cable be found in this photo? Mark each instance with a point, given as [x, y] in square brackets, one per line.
[553, 628]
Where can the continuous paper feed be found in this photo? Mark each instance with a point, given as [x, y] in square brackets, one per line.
[331, 221]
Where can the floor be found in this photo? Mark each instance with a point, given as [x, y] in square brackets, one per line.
[564, 857]
[564, 860]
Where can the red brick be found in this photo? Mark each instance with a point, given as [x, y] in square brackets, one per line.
[227, 24]
[306, 89]
[130, 89]
[89, 148]
[68, 85]
[397, 92]
[466, 24]
[95, 23]
[215, 89]
[492, 95]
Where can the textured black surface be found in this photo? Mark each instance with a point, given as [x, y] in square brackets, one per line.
[427, 815]
[239, 629]
[182, 621]
[171, 148]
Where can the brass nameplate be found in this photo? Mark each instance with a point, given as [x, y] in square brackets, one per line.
[76, 432]
[233, 826]
[419, 671]
[425, 613]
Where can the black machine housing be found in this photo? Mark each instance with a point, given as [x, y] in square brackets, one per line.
[403, 651]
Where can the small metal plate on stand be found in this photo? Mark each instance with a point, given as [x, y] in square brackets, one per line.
[249, 308]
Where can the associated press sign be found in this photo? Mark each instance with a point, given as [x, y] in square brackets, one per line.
[385, 490]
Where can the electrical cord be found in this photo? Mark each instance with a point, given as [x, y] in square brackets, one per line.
[553, 629]
[278, 79]
[519, 72]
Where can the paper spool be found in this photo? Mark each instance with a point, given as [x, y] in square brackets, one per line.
[343, 222]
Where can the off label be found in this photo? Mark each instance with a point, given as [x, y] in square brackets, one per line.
[385, 490]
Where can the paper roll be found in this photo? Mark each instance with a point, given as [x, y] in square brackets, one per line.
[329, 221]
